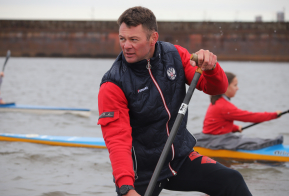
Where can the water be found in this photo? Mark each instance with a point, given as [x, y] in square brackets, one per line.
[40, 170]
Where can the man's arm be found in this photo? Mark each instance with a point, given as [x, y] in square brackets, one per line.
[212, 82]
[116, 130]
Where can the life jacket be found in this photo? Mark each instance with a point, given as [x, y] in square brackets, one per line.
[155, 90]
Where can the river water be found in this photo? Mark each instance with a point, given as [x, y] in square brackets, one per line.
[41, 170]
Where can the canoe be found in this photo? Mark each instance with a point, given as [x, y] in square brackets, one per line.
[8, 104]
[70, 141]
[12, 107]
[278, 153]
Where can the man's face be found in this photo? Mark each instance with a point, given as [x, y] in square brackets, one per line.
[134, 44]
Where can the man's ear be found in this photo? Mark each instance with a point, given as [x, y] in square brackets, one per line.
[154, 38]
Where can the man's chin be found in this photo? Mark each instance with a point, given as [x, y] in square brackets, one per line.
[130, 60]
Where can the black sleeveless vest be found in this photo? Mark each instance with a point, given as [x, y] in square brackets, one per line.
[149, 117]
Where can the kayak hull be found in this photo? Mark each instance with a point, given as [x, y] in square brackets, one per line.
[44, 109]
[278, 153]
[69, 141]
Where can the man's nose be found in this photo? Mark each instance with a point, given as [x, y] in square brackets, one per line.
[127, 45]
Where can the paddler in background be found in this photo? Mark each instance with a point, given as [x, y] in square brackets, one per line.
[1, 76]
[138, 101]
[218, 128]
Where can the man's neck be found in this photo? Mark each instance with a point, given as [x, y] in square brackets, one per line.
[151, 52]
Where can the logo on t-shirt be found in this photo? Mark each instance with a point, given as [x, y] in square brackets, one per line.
[171, 72]
[143, 89]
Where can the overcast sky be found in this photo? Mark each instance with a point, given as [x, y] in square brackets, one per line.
[165, 10]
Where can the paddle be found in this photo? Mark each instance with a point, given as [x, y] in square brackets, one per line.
[180, 116]
[260, 122]
[7, 57]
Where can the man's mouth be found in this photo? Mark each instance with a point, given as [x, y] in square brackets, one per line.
[128, 54]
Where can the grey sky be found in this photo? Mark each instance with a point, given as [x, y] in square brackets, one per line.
[180, 10]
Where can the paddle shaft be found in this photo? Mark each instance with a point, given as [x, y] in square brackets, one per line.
[7, 57]
[260, 122]
[177, 123]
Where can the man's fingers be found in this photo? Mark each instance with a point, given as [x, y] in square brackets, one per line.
[193, 63]
[206, 60]
[200, 54]
[212, 59]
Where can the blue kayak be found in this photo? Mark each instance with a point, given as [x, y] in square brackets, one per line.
[12, 107]
[71, 141]
[7, 104]
[278, 152]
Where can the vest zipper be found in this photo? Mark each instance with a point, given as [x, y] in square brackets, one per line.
[134, 160]
[167, 109]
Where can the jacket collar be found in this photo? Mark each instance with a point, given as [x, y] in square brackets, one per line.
[225, 97]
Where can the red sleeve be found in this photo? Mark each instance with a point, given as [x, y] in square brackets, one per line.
[212, 82]
[116, 130]
[234, 113]
[235, 128]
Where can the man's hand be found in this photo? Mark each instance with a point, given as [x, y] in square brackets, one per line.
[132, 193]
[278, 112]
[1, 74]
[206, 60]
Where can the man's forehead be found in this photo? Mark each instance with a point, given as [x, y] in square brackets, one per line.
[131, 30]
[130, 26]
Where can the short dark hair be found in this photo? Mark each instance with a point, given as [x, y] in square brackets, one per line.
[139, 15]
[230, 77]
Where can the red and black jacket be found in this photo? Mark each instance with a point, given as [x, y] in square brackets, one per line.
[138, 104]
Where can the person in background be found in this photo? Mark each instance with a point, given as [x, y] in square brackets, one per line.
[221, 113]
[1, 76]
[138, 101]
[219, 128]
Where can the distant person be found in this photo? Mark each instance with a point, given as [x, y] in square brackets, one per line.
[1, 76]
[139, 99]
[221, 113]
[220, 117]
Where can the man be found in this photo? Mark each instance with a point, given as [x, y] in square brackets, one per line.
[138, 102]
